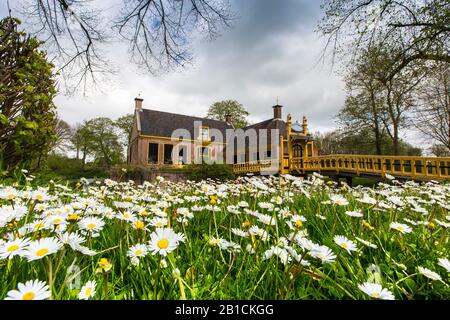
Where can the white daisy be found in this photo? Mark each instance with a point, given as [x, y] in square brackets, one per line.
[429, 274]
[403, 228]
[367, 243]
[13, 248]
[239, 232]
[323, 253]
[345, 243]
[43, 247]
[158, 222]
[87, 291]
[163, 241]
[445, 264]
[91, 224]
[339, 200]
[375, 290]
[356, 214]
[31, 290]
[138, 251]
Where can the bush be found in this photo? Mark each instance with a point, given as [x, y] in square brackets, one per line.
[61, 167]
[216, 171]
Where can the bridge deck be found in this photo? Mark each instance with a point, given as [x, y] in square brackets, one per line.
[417, 168]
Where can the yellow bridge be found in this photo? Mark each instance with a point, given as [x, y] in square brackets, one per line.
[416, 168]
[297, 155]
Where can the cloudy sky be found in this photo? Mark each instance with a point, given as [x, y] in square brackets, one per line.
[272, 52]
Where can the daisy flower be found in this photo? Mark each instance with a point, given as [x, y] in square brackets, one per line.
[87, 291]
[356, 214]
[239, 232]
[138, 251]
[403, 228]
[429, 274]
[445, 264]
[375, 290]
[91, 224]
[43, 247]
[367, 243]
[163, 241]
[31, 290]
[339, 200]
[323, 253]
[158, 222]
[345, 243]
[13, 248]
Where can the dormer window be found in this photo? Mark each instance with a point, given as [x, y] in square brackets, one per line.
[204, 133]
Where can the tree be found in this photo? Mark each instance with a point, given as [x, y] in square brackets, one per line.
[236, 111]
[63, 133]
[439, 150]
[432, 116]
[27, 112]
[158, 32]
[363, 106]
[377, 101]
[125, 125]
[82, 141]
[418, 30]
[103, 141]
[359, 142]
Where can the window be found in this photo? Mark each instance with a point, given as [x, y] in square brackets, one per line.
[182, 155]
[203, 153]
[204, 133]
[153, 152]
[168, 148]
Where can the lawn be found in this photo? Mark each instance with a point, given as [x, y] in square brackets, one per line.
[249, 238]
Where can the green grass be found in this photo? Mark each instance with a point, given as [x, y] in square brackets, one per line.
[210, 272]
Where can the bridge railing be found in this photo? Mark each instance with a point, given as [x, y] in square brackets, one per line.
[405, 166]
[255, 166]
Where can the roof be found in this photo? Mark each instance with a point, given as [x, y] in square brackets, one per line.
[269, 124]
[162, 124]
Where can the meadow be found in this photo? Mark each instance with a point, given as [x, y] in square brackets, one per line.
[250, 238]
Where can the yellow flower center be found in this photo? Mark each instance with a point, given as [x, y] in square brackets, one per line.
[375, 295]
[42, 252]
[10, 196]
[57, 220]
[91, 225]
[39, 197]
[138, 252]
[400, 228]
[88, 291]
[126, 215]
[299, 223]
[73, 217]
[39, 225]
[344, 245]
[159, 224]
[163, 244]
[139, 225]
[12, 248]
[28, 296]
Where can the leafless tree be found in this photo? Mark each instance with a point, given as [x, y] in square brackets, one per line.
[159, 32]
[421, 29]
[433, 110]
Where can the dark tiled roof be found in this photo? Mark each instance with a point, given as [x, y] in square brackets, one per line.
[160, 123]
[270, 124]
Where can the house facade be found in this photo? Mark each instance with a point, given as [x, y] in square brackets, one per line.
[168, 139]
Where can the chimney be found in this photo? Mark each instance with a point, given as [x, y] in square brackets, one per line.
[305, 125]
[228, 118]
[277, 111]
[138, 103]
